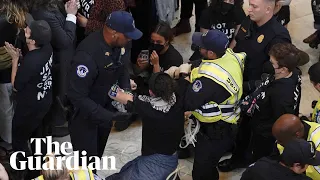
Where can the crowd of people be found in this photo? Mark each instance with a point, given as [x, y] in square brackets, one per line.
[82, 67]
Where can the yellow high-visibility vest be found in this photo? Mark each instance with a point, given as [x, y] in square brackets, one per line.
[227, 71]
[316, 113]
[314, 136]
[76, 175]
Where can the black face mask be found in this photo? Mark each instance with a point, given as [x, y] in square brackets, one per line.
[156, 47]
[226, 7]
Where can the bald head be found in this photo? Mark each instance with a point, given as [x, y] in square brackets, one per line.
[287, 127]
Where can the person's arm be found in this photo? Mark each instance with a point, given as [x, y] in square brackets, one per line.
[239, 16]
[82, 76]
[100, 11]
[281, 103]
[124, 79]
[154, 59]
[63, 36]
[202, 91]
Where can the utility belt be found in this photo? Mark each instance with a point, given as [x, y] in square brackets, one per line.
[216, 130]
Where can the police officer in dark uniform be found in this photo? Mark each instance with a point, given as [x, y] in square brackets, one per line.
[97, 66]
[257, 34]
[223, 15]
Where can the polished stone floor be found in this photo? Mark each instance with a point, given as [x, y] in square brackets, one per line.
[126, 145]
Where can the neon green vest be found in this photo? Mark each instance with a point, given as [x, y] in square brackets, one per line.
[316, 113]
[76, 175]
[227, 72]
[314, 136]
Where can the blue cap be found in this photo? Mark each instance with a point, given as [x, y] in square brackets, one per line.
[213, 40]
[122, 22]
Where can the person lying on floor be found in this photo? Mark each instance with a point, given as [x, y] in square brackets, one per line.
[162, 117]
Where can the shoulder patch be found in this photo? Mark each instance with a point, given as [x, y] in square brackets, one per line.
[197, 85]
[82, 71]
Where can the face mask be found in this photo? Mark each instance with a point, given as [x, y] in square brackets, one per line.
[226, 7]
[156, 47]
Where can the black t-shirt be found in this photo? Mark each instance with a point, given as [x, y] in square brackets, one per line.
[85, 7]
[161, 131]
[213, 19]
[267, 169]
[170, 58]
[34, 80]
[283, 16]
[256, 42]
[282, 96]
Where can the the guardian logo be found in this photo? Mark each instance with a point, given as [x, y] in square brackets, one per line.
[71, 160]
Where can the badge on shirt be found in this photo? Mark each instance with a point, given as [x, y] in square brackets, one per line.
[260, 38]
[107, 54]
[82, 71]
[197, 85]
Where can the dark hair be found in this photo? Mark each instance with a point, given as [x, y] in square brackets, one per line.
[164, 30]
[286, 54]
[162, 85]
[314, 72]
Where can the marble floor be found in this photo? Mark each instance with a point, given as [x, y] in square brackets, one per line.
[126, 145]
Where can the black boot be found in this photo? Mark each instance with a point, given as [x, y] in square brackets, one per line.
[182, 27]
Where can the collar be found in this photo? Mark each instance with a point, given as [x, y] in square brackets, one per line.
[266, 25]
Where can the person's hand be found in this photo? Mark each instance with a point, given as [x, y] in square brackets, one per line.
[13, 52]
[133, 85]
[121, 97]
[185, 68]
[82, 21]
[173, 72]
[71, 7]
[154, 58]
[142, 63]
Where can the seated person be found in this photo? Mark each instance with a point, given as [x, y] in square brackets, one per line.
[298, 154]
[162, 118]
[160, 57]
[7, 172]
[223, 15]
[314, 74]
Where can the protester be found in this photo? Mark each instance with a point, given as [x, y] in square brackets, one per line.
[314, 75]
[159, 141]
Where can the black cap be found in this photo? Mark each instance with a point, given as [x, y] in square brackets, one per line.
[40, 30]
[300, 151]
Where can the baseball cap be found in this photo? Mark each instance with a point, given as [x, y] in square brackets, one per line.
[300, 151]
[40, 30]
[122, 22]
[213, 40]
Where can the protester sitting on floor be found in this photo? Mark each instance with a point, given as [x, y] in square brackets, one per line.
[160, 56]
[163, 126]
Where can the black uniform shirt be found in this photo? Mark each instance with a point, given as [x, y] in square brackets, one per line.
[213, 19]
[282, 96]
[95, 68]
[202, 91]
[34, 79]
[267, 169]
[256, 42]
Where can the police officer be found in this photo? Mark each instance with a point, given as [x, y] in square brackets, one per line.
[289, 127]
[97, 65]
[215, 89]
[257, 34]
[223, 15]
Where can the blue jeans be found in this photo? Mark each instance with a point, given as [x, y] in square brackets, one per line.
[153, 167]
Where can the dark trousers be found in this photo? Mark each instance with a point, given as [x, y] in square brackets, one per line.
[187, 7]
[89, 137]
[242, 150]
[211, 146]
[27, 124]
[251, 146]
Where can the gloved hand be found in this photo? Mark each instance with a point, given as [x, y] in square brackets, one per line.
[173, 72]
[185, 68]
